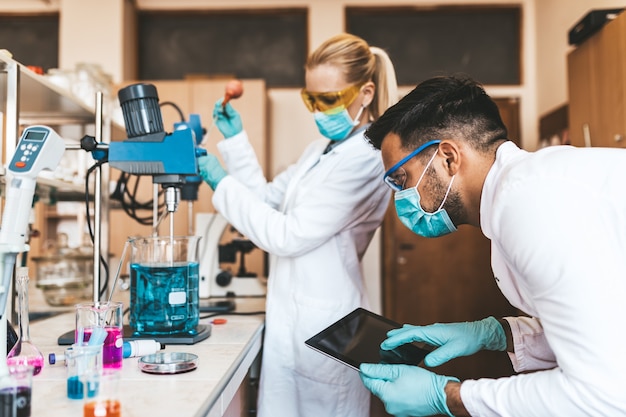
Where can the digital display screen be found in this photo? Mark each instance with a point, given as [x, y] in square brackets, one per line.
[35, 135]
[356, 339]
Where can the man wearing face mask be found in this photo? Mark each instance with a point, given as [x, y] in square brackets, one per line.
[316, 220]
[556, 219]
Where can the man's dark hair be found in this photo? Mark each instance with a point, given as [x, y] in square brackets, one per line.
[446, 107]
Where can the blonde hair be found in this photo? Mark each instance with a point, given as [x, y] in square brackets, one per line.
[360, 63]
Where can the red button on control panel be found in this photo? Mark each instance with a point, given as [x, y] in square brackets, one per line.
[20, 164]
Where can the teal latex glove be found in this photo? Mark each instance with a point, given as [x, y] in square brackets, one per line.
[227, 119]
[407, 390]
[211, 170]
[453, 340]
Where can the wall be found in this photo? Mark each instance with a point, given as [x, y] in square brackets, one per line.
[73, 48]
[545, 48]
[326, 18]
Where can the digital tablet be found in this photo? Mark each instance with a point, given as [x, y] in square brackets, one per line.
[356, 339]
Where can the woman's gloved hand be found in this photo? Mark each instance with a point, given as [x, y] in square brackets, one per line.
[211, 170]
[227, 119]
[453, 340]
[407, 390]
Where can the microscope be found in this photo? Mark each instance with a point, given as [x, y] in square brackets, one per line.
[220, 250]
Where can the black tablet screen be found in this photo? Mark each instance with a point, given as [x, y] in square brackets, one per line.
[356, 339]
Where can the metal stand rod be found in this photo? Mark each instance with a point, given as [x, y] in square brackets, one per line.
[155, 210]
[190, 219]
[12, 129]
[12, 110]
[97, 224]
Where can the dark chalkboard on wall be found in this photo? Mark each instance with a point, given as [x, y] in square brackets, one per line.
[483, 42]
[33, 40]
[271, 45]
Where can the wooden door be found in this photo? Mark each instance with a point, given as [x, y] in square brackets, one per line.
[446, 279]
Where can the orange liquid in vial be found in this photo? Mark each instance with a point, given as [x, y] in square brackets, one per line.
[107, 408]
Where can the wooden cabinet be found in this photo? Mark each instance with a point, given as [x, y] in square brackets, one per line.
[597, 88]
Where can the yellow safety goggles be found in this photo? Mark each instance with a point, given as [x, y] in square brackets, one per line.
[330, 100]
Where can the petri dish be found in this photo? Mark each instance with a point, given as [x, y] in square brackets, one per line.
[168, 363]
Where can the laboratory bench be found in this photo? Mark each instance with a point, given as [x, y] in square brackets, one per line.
[215, 388]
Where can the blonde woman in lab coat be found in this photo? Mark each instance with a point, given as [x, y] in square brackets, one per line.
[315, 220]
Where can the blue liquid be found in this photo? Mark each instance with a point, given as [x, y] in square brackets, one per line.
[164, 298]
[76, 388]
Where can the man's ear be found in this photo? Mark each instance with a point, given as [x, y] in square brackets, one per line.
[452, 155]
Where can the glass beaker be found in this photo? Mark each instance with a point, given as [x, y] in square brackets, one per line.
[16, 391]
[104, 321]
[164, 275]
[82, 363]
[106, 402]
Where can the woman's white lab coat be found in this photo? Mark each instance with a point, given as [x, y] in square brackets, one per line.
[315, 220]
[556, 219]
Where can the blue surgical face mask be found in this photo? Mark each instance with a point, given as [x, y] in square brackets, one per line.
[413, 216]
[337, 125]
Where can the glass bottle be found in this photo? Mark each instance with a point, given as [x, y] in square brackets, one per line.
[24, 352]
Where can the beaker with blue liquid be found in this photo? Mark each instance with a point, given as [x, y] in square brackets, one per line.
[164, 275]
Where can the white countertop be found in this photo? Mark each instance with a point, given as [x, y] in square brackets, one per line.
[223, 361]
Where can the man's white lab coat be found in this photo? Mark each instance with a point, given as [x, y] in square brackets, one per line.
[557, 223]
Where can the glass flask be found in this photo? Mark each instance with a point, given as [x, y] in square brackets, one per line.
[24, 352]
[164, 275]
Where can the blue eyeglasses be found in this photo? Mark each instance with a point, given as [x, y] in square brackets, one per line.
[395, 177]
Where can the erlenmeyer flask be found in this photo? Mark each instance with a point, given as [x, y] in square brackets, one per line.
[24, 352]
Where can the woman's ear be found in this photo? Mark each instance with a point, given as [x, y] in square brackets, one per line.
[368, 90]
